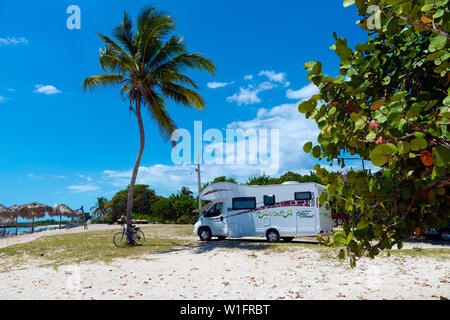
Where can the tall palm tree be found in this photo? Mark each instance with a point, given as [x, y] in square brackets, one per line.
[148, 64]
[99, 209]
[186, 191]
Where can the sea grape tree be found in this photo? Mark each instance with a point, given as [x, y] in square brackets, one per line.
[389, 105]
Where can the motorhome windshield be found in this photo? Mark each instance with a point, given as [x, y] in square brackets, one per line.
[214, 211]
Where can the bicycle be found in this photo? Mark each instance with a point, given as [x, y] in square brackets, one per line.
[124, 238]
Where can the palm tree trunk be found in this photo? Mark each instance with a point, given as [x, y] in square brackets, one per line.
[136, 168]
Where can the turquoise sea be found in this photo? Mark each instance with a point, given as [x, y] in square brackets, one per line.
[12, 230]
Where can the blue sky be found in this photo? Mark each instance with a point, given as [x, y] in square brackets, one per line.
[59, 145]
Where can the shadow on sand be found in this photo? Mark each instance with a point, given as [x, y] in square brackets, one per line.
[429, 240]
[242, 244]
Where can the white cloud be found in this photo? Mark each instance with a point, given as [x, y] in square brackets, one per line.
[46, 89]
[57, 176]
[249, 95]
[304, 93]
[275, 77]
[248, 77]
[215, 85]
[12, 41]
[45, 177]
[83, 188]
[82, 176]
[294, 131]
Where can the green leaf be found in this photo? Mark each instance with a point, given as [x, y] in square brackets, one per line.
[360, 124]
[380, 154]
[418, 144]
[437, 42]
[371, 136]
[414, 111]
[339, 238]
[316, 152]
[348, 3]
[447, 101]
[441, 156]
[304, 106]
[309, 65]
[307, 147]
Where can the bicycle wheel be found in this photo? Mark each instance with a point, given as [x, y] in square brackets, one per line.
[139, 238]
[120, 240]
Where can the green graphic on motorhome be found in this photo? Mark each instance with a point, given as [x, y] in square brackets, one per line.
[281, 213]
[305, 214]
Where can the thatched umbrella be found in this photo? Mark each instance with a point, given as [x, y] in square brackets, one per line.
[63, 210]
[14, 213]
[31, 211]
[4, 212]
[5, 216]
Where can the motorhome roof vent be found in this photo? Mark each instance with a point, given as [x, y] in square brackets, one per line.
[290, 182]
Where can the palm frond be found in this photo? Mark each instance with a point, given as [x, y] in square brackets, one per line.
[168, 75]
[109, 60]
[124, 33]
[182, 95]
[172, 48]
[158, 110]
[117, 49]
[102, 80]
[153, 25]
[187, 61]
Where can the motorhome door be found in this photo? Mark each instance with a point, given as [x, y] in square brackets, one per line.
[306, 221]
[215, 219]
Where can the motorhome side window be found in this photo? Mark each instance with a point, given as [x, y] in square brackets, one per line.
[244, 203]
[269, 200]
[303, 195]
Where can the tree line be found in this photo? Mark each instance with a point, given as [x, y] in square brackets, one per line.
[178, 207]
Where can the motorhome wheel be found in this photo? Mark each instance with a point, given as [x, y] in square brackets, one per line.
[205, 234]
[273, 236]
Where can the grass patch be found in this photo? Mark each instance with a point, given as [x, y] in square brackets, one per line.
[89, 247]
[437, 253]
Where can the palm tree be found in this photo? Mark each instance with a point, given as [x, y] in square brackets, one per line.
[149, 67]
[100, 207]
[186, 192]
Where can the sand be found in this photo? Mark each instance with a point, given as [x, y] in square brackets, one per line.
[215, 272]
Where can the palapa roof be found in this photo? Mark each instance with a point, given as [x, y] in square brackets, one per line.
[5, 215]
[30, 210]
[63, 210]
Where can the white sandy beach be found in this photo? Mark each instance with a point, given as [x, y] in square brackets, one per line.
[215, 272]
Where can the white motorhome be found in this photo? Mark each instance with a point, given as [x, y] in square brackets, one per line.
[274, 211]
